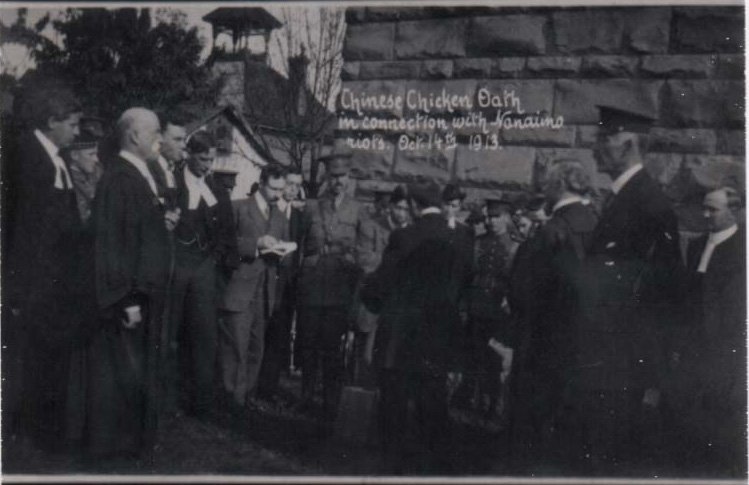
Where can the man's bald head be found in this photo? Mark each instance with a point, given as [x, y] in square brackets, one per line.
[139, 132]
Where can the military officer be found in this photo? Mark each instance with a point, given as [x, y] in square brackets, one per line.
[487, 307]
[327, 283]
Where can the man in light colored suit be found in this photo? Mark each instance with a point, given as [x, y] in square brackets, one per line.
[251, 292]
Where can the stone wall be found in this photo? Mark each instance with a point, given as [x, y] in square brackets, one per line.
[685, 65]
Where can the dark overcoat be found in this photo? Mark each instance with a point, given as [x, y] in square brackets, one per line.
[629, 290]
[416, 291]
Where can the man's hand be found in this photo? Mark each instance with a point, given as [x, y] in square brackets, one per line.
[171, 218]
[133, 317]
[266, 242]
[507, 354]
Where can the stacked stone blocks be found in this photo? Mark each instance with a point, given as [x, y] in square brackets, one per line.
[685, 65]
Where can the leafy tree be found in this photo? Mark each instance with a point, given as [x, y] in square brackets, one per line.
[116, 59]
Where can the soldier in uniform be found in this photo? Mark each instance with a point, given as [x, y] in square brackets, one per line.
[488, 313]
[327, 283]
[628, 294]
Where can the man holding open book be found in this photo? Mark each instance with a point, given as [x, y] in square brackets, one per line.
[251, 292]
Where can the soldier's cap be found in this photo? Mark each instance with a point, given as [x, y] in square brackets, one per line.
[85, 140]
[615, 119]
[426, 194]
[497, 207]
[452, 192]
[337, 163]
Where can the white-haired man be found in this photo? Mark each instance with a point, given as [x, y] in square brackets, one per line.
[132, 272]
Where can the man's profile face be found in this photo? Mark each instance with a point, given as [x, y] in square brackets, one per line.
[399, 212]
[200, 163]
[148, 138]
[86, 159]
[62, 133]
[293, 184]
[609, 152]
[717, 213]
[173, 143]
[273, 189]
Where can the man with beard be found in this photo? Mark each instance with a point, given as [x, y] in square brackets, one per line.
[327, 283]
[416, 291]
[132, 253]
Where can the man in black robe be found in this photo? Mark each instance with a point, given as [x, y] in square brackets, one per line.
[132, 274]
[43, 249]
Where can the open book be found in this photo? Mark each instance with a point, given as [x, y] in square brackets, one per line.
[282, 248]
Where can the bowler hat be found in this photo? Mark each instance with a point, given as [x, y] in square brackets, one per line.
[614, 119]
[426, 194]
[452, 192]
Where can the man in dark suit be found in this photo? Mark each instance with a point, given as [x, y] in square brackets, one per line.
[172, 154]
[416, 291]
[192, 319]
[629, 296]
[132, 254]
[327, 283]
[373, 238]
[710, 407]
[277, 355]
[544, 359]
[43, 250]
[250, 296]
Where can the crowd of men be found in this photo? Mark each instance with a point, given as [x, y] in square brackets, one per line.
[137, 290]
